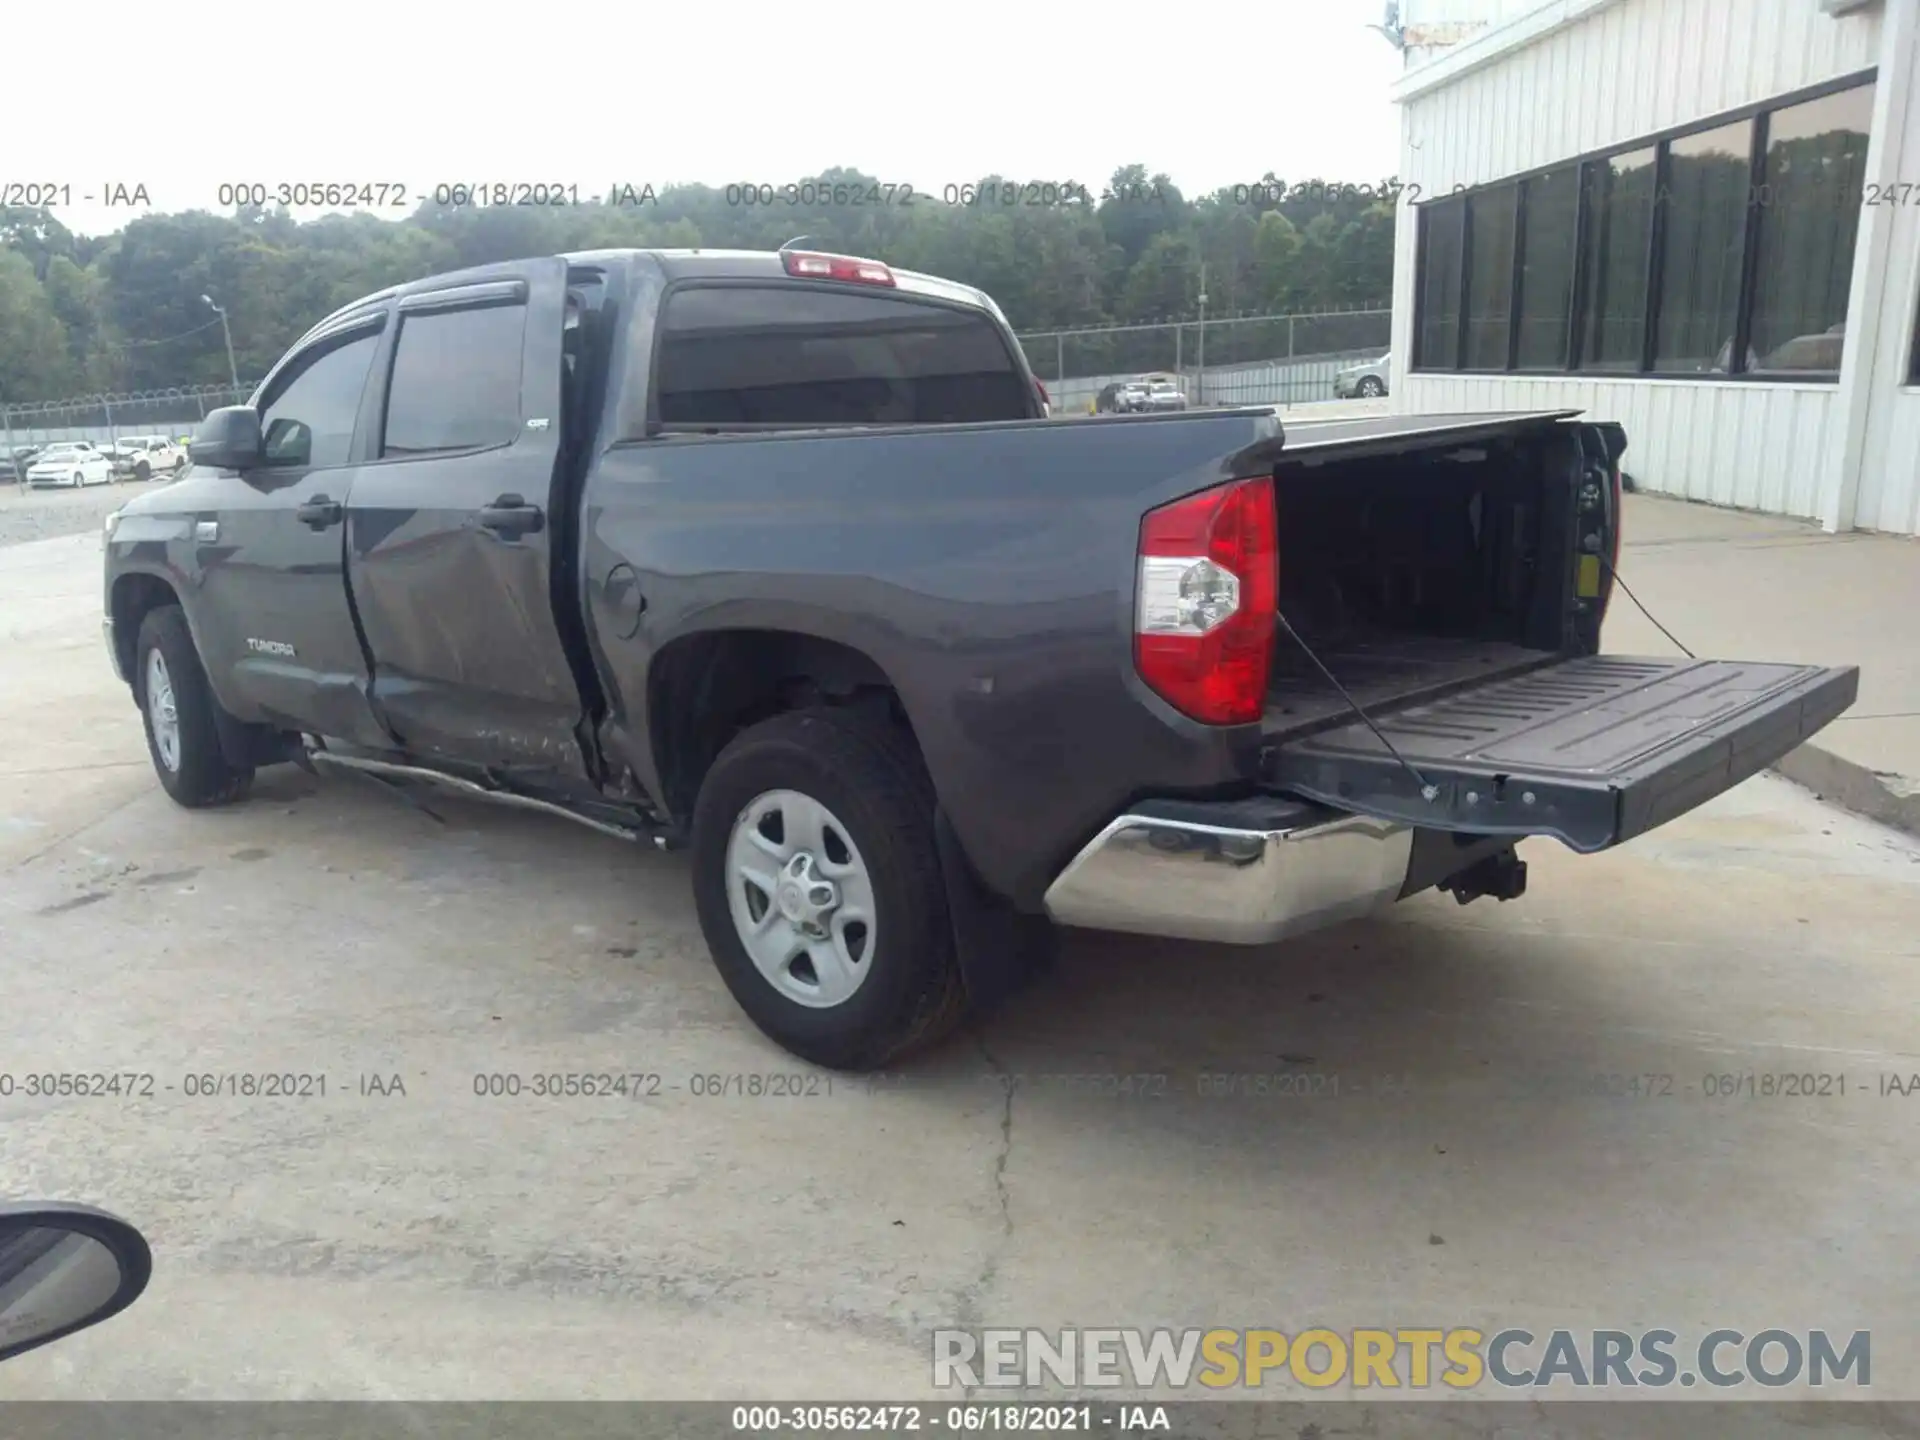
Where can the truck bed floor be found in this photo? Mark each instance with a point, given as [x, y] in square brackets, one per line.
[1382, 670]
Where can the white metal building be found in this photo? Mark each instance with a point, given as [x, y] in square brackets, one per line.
[1698, 217]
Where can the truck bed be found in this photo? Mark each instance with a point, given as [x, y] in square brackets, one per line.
[1384, 670]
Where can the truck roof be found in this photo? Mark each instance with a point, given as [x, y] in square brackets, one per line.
[691, 264]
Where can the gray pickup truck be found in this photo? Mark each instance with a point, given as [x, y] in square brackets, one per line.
[776, 557]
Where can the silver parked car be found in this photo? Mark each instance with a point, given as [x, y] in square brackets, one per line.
[1367, 381]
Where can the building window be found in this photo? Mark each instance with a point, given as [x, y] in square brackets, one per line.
[1442, 248]
[1613, 316]
[1810, 194]
[1703, 225]
[1724, 249]
[1913, 360]
[1490, 276]
[1552, 205]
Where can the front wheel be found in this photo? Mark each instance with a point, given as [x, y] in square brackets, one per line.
[177, 705]
[79, 479]
[819, 888]
[143, 472]
[1371, 388]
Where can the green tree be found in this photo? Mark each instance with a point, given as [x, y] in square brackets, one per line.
[34, 361]
[124, 311]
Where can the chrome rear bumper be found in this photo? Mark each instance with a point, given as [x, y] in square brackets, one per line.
[1231, 873]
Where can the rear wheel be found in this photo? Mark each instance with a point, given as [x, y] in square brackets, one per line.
[819, 888]
[177, 705]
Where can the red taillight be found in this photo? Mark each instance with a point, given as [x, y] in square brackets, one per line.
[814, 266]
[1208, 585]
[1046, 400]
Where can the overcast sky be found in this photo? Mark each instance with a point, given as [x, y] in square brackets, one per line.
[589, 92]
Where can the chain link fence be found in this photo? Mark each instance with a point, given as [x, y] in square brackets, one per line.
[1238, 360]
[103, 419]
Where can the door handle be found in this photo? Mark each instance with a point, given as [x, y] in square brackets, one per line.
[319, 513]
[511, 517]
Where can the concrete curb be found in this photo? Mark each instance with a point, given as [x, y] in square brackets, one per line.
[1853, 786]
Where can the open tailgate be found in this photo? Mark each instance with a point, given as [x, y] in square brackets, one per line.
[1593, 751]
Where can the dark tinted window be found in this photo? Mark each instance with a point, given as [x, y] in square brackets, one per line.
[1913, 356]
[1490, 285]
[1546, 268]
[1810, 199]
[456, 381]
[1619, 213]
[788, 355]
[1438, 334]
[309, 419]
[1705, 201]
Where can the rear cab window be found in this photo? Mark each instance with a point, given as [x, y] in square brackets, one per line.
[780, 354]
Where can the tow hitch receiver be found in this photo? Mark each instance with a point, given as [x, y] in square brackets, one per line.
[1503, 876]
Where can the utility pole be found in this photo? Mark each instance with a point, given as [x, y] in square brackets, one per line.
[233, 371]
[1200, 359]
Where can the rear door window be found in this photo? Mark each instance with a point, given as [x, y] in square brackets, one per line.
[791, 355]
[456, 381]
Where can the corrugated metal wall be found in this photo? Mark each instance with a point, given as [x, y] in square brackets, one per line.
[1629, 70]
[1626, 71]
[1757, 447]
[1890, 459]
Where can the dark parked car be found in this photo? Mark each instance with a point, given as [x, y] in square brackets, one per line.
[774, 556]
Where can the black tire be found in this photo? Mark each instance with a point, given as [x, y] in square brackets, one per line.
[1370, 387]
[203, 775]
[143, 471]
[868, 774]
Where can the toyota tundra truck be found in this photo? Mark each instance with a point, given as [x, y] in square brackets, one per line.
[774, 556]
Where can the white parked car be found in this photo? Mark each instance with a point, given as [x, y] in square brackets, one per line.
[152, 455]
[73, 463]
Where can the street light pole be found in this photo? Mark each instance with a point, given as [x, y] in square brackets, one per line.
[233, 371]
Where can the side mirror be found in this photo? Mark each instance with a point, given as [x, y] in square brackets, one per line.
[228, 439]
[63, 1268]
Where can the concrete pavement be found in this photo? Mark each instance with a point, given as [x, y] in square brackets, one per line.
[1454, 1167]
[1739, 586]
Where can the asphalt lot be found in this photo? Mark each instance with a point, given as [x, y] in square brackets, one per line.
[1448, 1170]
